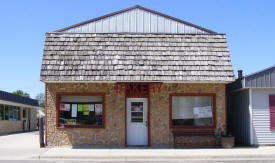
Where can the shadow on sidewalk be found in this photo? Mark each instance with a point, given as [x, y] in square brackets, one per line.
[160, 147]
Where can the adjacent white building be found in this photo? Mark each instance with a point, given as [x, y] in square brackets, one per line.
[251, 108]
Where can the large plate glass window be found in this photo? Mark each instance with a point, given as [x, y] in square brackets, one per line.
[81, 110]
[8, 112]
[192, 111]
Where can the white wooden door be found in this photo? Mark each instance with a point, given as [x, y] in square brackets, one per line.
[137, 122]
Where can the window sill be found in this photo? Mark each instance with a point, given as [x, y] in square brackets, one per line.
[80, 126]
[193, 127]
[193, 131]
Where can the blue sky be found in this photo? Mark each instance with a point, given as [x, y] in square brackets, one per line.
[249, 26]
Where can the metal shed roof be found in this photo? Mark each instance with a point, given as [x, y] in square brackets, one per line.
[5, 96]
[261, 79]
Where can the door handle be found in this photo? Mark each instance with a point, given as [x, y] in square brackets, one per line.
[146, 123]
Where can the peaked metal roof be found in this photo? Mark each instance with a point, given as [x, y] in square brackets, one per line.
[6, 96]
[261, 79]
[84, 27]
[271, 68]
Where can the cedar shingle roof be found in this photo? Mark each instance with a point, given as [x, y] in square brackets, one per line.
[136, 57]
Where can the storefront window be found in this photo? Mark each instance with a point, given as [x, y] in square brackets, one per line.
[24, 112]
[192, 110]
[16, 113]
[6, 112]
[79, 110]
[11, 113]
[2, 117]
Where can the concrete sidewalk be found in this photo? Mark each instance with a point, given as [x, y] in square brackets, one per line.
[20, 146]
[135, 154]
[25, 146]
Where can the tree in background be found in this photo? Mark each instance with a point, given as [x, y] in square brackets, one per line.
[21, 93]
[41, 99]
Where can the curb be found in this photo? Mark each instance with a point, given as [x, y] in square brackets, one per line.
[159, 158]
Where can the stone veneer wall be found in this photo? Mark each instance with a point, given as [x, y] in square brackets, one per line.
[10, 126]
[112, 135]
[114, 132]
[159, 109]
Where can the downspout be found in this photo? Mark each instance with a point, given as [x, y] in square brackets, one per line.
[250, 110]
[250, 117]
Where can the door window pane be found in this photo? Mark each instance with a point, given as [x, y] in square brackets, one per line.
[137, 112]
[192, 110]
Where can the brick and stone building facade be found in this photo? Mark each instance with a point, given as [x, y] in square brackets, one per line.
[109, 83]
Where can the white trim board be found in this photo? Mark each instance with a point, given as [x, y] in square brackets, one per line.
[16, 104]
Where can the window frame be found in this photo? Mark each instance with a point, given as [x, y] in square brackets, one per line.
[213, 95]
[58, 96]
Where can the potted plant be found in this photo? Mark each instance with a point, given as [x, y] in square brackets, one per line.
[228, 141]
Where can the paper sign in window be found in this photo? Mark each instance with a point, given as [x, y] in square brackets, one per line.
[86, 108]
[202, 112]
[74, 110]
[91, 107]
[62, 107]
[86, 113]
[71, 121]
[79, 107]
[67, 107]
[98, 109]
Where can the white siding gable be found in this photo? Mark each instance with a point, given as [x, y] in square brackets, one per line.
[136, 20]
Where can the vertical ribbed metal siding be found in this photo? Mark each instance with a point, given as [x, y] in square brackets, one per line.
[136, 21]
[239, 116]
[262, 79]
[261, 118]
